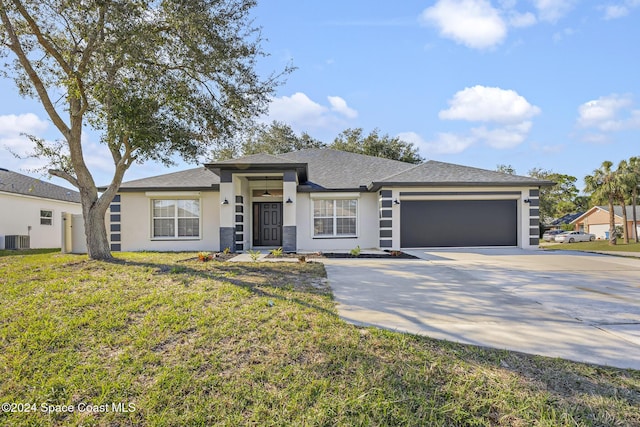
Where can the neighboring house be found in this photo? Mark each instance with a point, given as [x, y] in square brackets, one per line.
[321, 200]
[31, 207]
[563, 220]
[596, 221]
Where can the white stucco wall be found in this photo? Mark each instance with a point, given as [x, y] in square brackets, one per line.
[367, 226]
[18, 212]
[136, 233]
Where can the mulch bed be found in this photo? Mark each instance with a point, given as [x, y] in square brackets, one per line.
[387, 255]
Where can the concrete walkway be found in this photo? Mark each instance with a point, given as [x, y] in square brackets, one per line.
[577, 306]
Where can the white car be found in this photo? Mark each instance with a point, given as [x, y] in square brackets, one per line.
[575, 236]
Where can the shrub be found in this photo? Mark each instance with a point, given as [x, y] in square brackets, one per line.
[254, 255]
[276, 252]
[355, 251]
[205, 256]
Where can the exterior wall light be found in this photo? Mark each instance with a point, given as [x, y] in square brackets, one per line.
[289, 200]
[226, 202]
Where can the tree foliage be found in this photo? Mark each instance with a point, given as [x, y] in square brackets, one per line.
[559, 199]
[374, 144]
[274, 138]
[280, 138]
[154, 78]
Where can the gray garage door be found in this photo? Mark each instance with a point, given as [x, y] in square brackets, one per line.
[458, 223]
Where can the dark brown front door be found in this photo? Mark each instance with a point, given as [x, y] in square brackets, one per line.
[267, 224]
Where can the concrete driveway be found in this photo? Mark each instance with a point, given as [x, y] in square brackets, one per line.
[577, 306]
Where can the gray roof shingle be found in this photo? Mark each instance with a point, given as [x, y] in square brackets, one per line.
[440, 173]
[197, 178]
[334, 169]
[330, 169]
[13, 182]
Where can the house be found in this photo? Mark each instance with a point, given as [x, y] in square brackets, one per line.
[321, 200]
[596, 221]
[33, 208]
[567, 219]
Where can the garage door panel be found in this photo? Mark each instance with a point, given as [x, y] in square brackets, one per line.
[458, 223]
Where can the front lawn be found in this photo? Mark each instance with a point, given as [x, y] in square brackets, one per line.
[598, 245]
[165, 340]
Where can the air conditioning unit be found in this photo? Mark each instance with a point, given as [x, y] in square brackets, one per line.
[16, 242]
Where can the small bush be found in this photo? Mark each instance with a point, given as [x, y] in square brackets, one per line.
[355, 251]
[205, 256]
[254, 255]
[276, 252]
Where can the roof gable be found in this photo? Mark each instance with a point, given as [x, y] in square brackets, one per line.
[13, 182]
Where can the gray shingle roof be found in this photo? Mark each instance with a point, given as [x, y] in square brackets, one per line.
[197, 178]
[330, 169]
[617, 210]
[334, 169]
[13, 182]
[440, 173]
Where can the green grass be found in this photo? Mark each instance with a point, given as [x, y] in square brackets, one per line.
[187, 343]
[598, 245]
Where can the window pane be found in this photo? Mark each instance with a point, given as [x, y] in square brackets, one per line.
[164, 208]
[45, 221]
[188, 209]
[164, 228]
[322, 208]
[345, 207]
[46, 214]
[323, 227]
[188, 227]
[346, 226]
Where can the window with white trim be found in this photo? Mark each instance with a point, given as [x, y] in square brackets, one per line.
[335, 218]
[176, 218]
[46, 217]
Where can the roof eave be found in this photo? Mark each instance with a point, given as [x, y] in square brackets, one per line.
[213, 187]
[301, 168]
[375, 186]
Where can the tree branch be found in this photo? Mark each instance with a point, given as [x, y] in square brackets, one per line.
[16, 47]
[43, 41]
[64, 175]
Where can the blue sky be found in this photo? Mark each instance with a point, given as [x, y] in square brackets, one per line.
[549, 84]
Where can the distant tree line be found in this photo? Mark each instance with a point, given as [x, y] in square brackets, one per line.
[279, 138]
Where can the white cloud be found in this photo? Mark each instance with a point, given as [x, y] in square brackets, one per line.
[553, 10]
[622, 9]
[507, 114]
[302, 113]
[445, 143]
[521, 20]
[503, 137]
[615, 11]
[607, 114]
[13, 126]
[339, 105]
[489, 104]
[473, 23]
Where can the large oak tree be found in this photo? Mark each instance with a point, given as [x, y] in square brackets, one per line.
[154, 78]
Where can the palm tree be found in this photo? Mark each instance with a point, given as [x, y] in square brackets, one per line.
[624, 185]
[603, 186]
[634, 168]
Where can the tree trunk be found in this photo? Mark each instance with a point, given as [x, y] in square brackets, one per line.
[612, 223]
[625, 228]
[634, 203]
[95, 229]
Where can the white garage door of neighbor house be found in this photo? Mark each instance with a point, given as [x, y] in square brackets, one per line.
[599, 230]
[458, 223]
